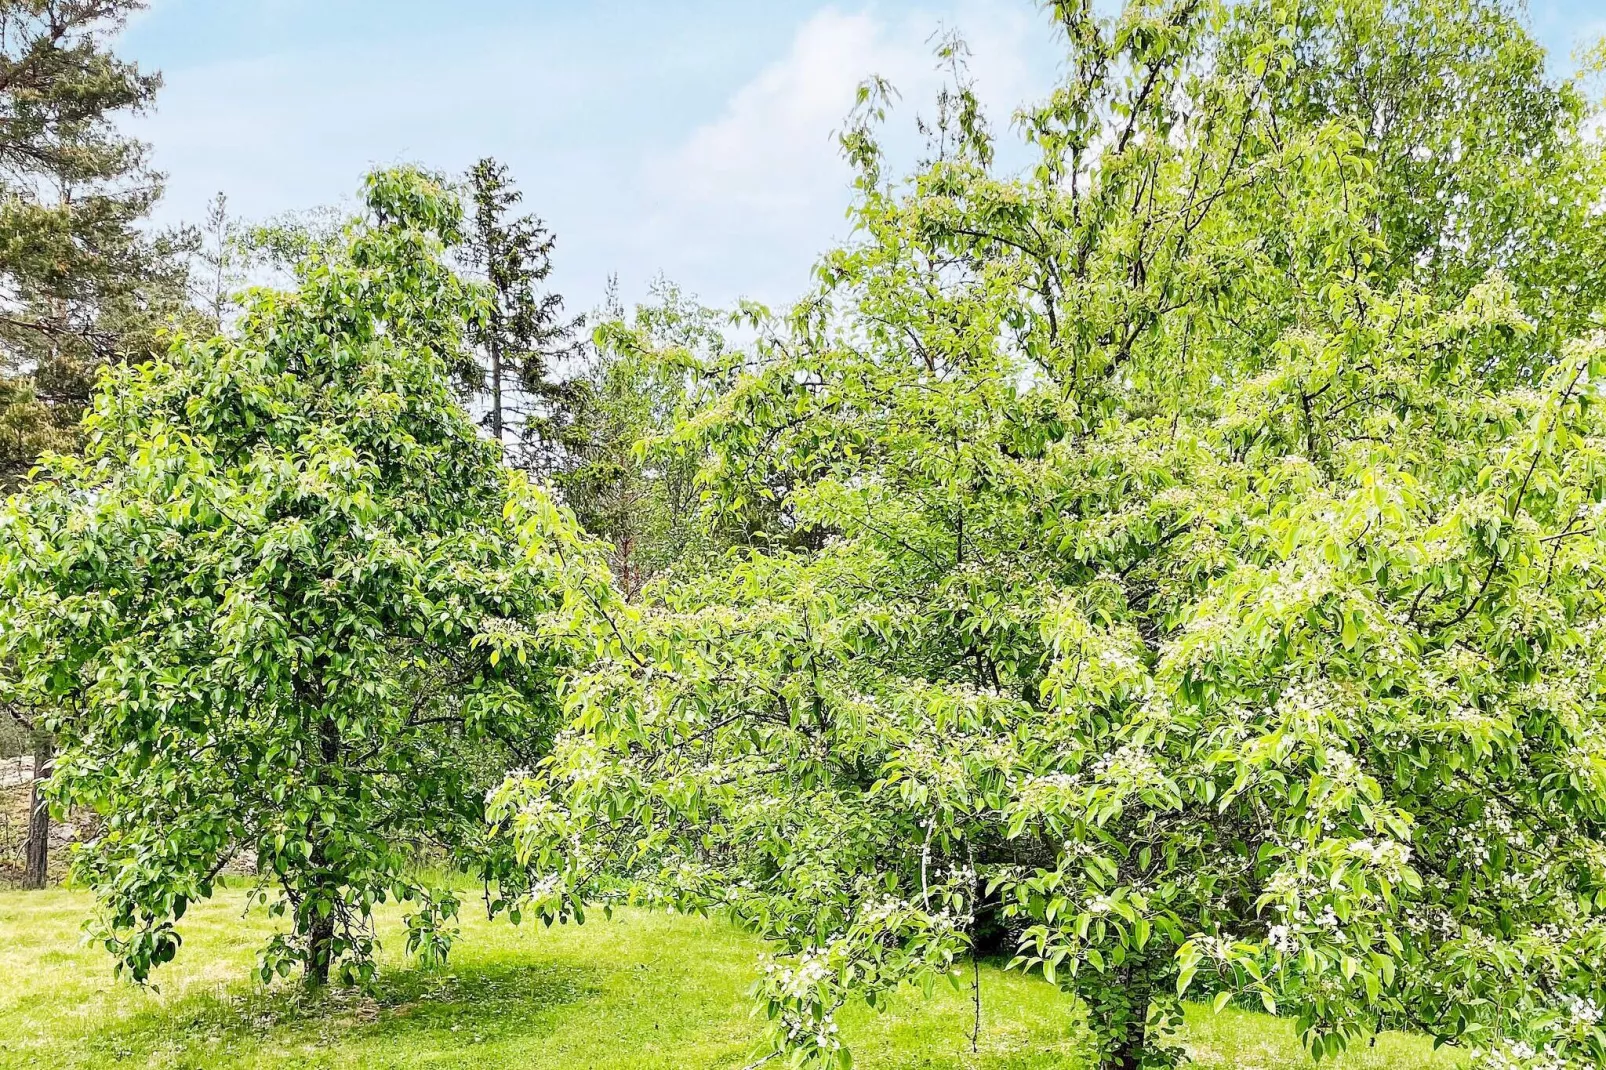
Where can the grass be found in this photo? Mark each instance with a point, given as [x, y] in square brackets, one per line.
[644, 991]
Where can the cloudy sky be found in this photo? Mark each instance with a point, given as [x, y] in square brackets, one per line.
[691, 139]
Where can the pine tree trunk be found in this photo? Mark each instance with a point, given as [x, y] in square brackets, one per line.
[36, 868]
[496, 389]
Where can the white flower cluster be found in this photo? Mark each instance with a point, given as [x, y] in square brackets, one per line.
[1390, 856]
[545, 886]
[801, 980]
[878, 912]
[1521, 1055]
[1582, 1009]
[1341, 766]
[1127, 765]
[1302, 704]
[1587, 757]
[1431, 920]
[797, 989]
[1301, 583]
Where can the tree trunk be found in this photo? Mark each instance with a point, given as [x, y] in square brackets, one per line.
[496, 389]
[321, 932]
[1129, 1055]
[1126, 1053]
[36, 868]
[320, 944]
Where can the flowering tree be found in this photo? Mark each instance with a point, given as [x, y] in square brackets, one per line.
[1187, 549]
[275, 610]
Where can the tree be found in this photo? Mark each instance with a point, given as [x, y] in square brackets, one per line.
[275, 606]
[620, 473]
[1477, 156]
[220, 256]
[228, 256]
[36, 851]
[290, 242]
[82, 284]
[525, 331]
[1185, 547]
[27, 428]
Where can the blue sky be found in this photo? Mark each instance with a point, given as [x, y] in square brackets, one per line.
[689, 138]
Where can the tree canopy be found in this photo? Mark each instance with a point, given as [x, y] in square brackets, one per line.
[1183, 554]
[276, 615]
[1188, 548]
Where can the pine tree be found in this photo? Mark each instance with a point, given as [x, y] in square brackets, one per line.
[524, 333]
[81, 284]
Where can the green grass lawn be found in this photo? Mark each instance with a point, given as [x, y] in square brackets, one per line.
[641, 991]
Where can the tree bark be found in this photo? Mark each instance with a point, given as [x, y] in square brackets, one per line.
[1128, 1049]
[320, 944]
[321, 931]
[36, 867]
[496, 386]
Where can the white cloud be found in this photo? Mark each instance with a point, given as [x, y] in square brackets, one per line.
[770, 150]
[757, 193]
[692, 139]
[646, 153]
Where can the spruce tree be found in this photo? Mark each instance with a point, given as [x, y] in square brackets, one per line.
[524, 332]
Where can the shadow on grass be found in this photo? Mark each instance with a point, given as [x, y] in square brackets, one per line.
[464, 1003]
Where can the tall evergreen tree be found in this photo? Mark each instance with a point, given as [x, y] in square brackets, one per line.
[524, 333]
[81, 284]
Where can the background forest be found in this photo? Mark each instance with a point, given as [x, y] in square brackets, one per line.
[1161, 584]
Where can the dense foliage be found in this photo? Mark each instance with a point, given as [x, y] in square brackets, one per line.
[628, 393]
[1180, 559]
[274, 611]
[1189, 549]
